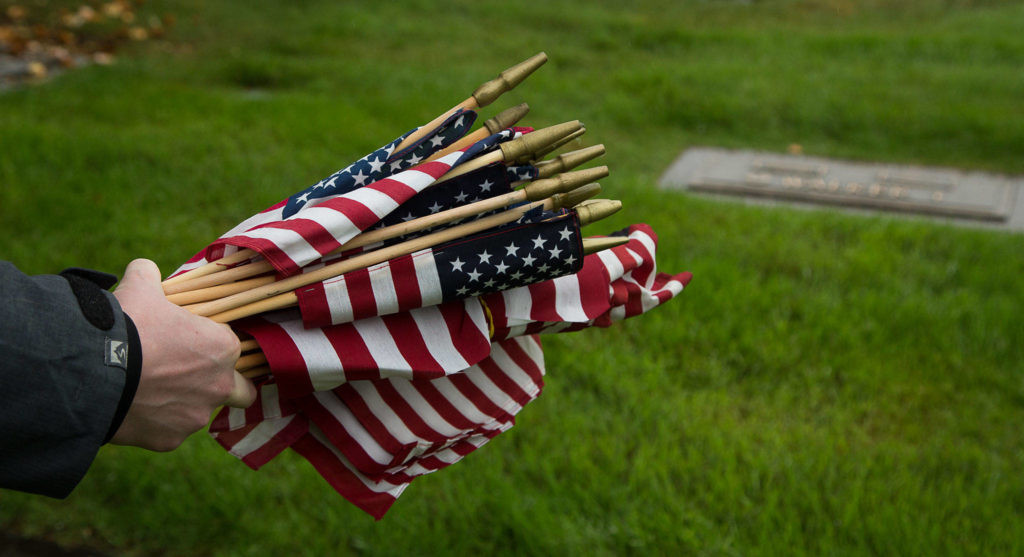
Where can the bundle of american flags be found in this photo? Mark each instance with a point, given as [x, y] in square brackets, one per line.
[391, 312]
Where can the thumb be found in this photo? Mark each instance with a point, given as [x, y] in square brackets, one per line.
[143, 274]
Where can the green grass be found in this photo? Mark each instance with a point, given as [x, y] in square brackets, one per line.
[829, 384]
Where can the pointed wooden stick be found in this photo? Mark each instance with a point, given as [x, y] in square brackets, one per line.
[484, 95]
[597, 209]
[516, 148]
[544, 151]
[568, 161]
[503, 120]
[594, 245]
[281, 294]
[536, 190]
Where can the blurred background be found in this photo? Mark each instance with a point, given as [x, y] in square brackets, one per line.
[828, 384]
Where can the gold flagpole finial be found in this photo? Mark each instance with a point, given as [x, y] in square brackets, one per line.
[486, 93]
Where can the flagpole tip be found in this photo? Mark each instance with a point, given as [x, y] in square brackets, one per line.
[486, 93]
[597, 210]
[506, 118]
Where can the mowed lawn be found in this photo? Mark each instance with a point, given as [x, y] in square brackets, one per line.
[829, 384]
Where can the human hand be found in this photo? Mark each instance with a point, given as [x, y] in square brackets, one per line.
[187, 366]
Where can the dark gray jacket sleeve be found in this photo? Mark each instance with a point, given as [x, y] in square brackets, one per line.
[65, 377]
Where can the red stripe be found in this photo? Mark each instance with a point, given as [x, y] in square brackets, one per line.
[360, 293]
[342, 479]
[356, 360]
[313, 304]
[411, 344]
[472, 343]
[283, 356]
[543, 306]
[407, 287]
[343, 440]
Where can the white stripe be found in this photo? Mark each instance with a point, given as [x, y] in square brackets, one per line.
[459, 400]
[379, 487]
[518, 302]
[259, 436]
[319, 355]
[344, 417]
[338, 301]
[437, 337]
[382, 347]
[612, 263]
[427, 277]
[382, 285]
[383, 411]
[424, 410]
[236, 418]
[269, 402]
[289, 241]
[378, 202]
[514, 372]
[567, 299]
[337, 224]
[648, 243]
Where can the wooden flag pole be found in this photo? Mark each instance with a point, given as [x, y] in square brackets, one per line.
[534, 191]
[508, 151]
[281, 294]
[503, 120]
[568, 161]
[484, 95]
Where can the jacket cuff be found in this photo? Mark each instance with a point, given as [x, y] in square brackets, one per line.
[132, 374]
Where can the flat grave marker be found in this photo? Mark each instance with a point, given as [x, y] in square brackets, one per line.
[953, 195]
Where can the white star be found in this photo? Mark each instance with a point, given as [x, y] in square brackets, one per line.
[436, 141]
[376, 165]
[486, 186]
[570, 260]
[489, 283]
[555, 252]
[543, 268]
[408, 217]
[539, 242]
[511, 249]
[474, 276]
[462, 291]
[461, 197]
[396, 165]
[458, 123]
[516, 275]
[485, 257]
[566, 233]
[415, 160]
[457, 264]
[501, 268]
[528, 260]
[435, 207]
[303, 198]
[524, 174]
[360, 178]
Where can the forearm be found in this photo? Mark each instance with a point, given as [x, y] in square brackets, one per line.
[64, 356]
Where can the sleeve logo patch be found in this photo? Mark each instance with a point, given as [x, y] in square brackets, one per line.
[116, 353]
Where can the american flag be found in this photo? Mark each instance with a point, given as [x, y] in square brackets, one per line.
[370, 435]
[393, 178]
[500, 259]
[370, 439]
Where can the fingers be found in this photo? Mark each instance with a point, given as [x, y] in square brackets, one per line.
[243, 394]
[143, 274]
